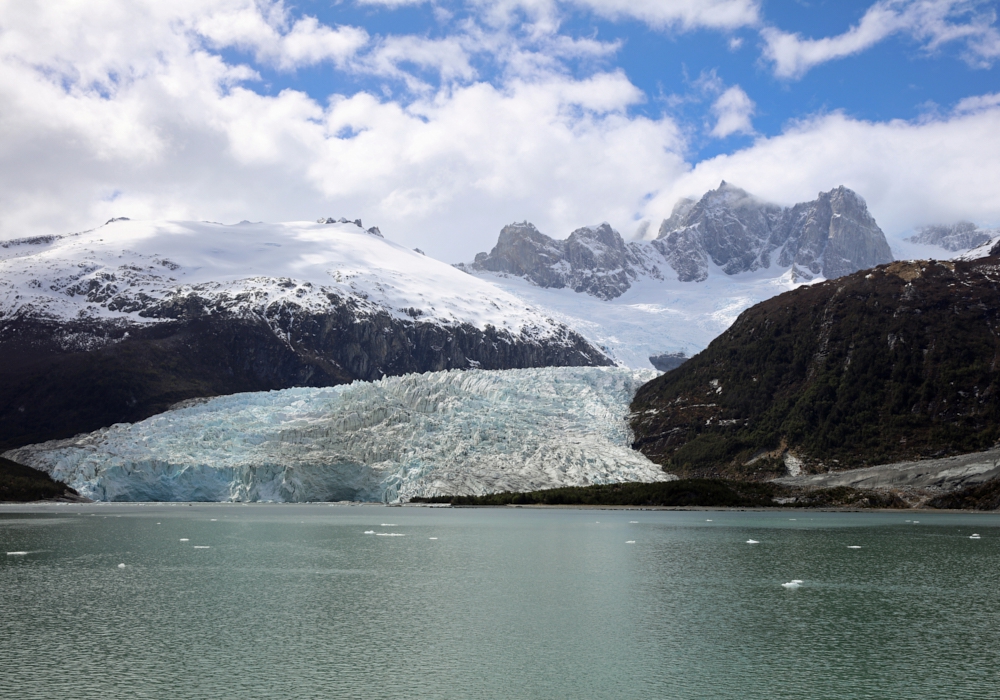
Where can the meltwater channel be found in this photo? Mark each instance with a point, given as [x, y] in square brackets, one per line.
[329, 601]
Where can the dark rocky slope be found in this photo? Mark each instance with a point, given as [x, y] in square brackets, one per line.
[21, 484]
[891, 364]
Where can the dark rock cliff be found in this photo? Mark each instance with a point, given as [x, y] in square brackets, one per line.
[896, 363]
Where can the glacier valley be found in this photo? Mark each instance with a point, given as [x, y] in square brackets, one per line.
[437, 433]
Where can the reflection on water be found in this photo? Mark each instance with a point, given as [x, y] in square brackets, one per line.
[297, 601]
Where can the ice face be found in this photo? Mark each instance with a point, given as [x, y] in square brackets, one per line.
[455, 432]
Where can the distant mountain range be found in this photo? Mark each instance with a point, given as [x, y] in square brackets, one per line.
[955, 237]
[712, 258]
[727, 228]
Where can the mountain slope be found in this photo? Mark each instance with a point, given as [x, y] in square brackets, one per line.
[117, 323]
[896, 363]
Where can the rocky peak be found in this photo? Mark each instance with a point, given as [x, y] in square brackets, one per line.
[831, 236]
[964, 235]
[593, 259]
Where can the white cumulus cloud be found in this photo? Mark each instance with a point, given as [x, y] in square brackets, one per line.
[733, 110]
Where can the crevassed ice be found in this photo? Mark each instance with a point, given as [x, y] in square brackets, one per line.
[455, 432]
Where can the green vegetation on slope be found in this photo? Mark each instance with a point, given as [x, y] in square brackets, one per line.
[21, 483]
[706, 493]
[895, 363]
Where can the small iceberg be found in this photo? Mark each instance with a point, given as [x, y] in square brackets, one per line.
[369, 532]
[629, 541]
[185, 539]
[201, 546]
[854, 546]
[388, 525]
[432, 538]
[753, 542]
[389, 534]
[21, 554]
[633, 522]
[708, 521]
[794, 583]
[973, 536]
[121, 566]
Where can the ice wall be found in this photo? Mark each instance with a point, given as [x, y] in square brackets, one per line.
[456, 432]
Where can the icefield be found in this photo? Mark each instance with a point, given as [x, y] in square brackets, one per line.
[440, 433]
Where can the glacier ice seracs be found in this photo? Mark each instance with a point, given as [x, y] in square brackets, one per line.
[453, 432]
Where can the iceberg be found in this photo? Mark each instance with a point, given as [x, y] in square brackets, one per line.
[456, 432]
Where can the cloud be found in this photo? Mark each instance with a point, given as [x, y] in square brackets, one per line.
[933, 23]
[685, 14]
[910, 173]
[733, 111]
[99, 120]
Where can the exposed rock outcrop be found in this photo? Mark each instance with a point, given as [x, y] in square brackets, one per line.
[594, 259]
[830, 236]
[964, 235]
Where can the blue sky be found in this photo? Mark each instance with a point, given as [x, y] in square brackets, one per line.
[442, 121]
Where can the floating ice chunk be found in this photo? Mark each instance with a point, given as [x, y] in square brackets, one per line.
[185, 539]
[16, 554]
[709, 521]
[388, 525]
[121, 566]
[369, 532]
[432, 538]
[974, 536]
[791, 585]
[214, 520]
[389, 534]
[854, 546]
[202, 546]
[753, 542]
[633, 522]
[629, 541]
[915, 522]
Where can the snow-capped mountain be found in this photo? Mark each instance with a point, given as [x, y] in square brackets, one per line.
[712, 259]
[119, 322]
[727, 228]
[427, 434]
[964, 235]
[831, 236]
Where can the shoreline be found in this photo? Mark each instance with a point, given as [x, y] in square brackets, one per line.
[352, 504]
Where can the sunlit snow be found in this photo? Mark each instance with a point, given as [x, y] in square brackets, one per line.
[456, 432]
[122, 269]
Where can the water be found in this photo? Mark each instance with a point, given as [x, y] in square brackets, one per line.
[295, 601]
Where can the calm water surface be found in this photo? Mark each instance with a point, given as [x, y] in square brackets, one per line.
[296, 601]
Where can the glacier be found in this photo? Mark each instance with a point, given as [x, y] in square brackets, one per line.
[439, 433]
